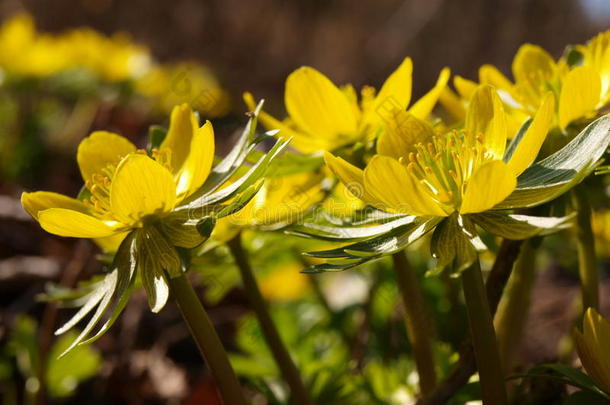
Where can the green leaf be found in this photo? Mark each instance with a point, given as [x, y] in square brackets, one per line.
[586, 397]
[556, 174]
[156, 136]
[240, 200]
[349, 233]
[517, 227]
[64, 374]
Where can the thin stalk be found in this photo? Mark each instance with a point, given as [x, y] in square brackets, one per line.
[587, 259]
[512, 310]
[282, 358]
[418, 322]
[483, 337]
[207, 340]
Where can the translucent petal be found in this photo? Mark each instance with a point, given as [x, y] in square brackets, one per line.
[100, 150]
[67, 222]
[580, 94]
[318, 107]
[486, 118]
[401, 135]
[198, 163]
[528, 148]
[389, 186]
[489, 185]
[141, 187]
[182, 127]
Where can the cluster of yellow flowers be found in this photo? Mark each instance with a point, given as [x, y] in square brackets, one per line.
[25, 52]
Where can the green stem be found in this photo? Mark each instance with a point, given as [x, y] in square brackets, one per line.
[512, 310]
[587, 259]
[483, 337]
[207, 340]
[287, 367]
[418, 322]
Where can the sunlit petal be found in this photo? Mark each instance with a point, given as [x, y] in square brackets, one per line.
[488, 186]
[38, 201]
[528, 148]
[390, 187]
[198, 163]
[318, 107]
[485, 118]
[580, 94]
[182, 127]
[141, 187]
[67, 222]
[100, 150]
[401, 135]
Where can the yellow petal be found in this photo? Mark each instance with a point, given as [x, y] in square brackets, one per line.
[182, 126]
[423, 107]
[389, 186]
[141, 187]
[488, 186]
[395, 94]
[401, 135]
[580, 93]
[38, 201]
[530, 144]
[67, 222]
[100, 150]
[593, 348]
[300, 141]
[110, 244]
[452, 103]
[464, 87]
[198, 163]
[486, 118]
[489, 74]
[351, 176]
[531, 65]
[318, 107]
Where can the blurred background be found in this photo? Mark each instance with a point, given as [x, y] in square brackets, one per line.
[240, 45]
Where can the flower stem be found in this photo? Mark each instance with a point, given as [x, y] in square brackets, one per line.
[587, 259]
[207, 340]
[417, 320]
[287, 367]
[512, 310]
[483, 337]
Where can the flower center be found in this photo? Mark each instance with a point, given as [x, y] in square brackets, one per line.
[445, 164]
[100, 183]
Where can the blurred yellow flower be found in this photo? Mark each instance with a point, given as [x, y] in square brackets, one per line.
[593, 347]
[168, 85]
[285, 282]
[24, 51]
[580, 89]
[324, 117]
[282, 200]
[422, 173]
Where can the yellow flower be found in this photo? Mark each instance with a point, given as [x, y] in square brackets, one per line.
[324, 117]
[168, 85]
[419, 172]
[128, 189]
[580, 90]
[593, 347]
[282, 200]
[285, 282]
